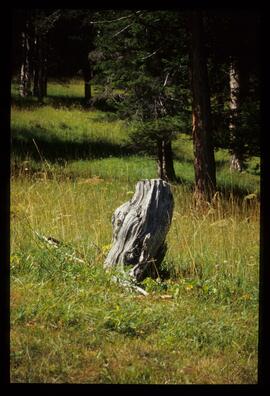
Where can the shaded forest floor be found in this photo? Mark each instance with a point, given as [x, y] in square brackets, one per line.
[71, 168]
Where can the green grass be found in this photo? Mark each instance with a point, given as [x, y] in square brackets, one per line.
[69, 321]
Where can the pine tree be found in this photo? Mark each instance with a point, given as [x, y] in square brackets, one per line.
[232, 38]
[35, 25]
[141, 51]
[204, 161]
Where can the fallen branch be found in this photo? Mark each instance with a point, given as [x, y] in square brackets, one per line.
[122, 30]
[116, 19]
[57, 244]
[129, 285]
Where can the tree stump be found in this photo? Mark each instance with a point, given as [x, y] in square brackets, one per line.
[140, 227]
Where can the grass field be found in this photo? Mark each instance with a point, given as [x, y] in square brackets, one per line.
[71, 168]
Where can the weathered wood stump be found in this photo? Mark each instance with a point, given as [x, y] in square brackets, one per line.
[140, 227]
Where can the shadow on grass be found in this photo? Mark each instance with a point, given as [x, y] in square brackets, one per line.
[228, 192]
[221, 164]
[38, 143]
[182, 158]
[59, 101]
[236, 191]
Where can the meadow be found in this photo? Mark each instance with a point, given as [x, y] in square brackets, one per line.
[71, 167]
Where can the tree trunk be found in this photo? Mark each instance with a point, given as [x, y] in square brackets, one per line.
[44, 67]
[168, 162]
[160, 159]
[87, 91]
[140, 227]
[87, 73]
[165, 161]
[238, 93]
[40, 68]
[25, 74]
[204, 161]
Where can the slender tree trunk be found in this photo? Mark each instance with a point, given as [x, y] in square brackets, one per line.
[160, 167]
[34, 64]
[87, 91]
[165, 161]
[44, 67]
[26, 75]
[235, 161]
[87, 73]
[168, 161]
[40, 68]
[238, 93]
[204, 161]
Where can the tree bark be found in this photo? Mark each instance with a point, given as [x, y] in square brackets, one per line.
[140, 227]
[204, 161]
[168, 162]
[87, 73]
[40, 68]
[160, 167]
[87, 91]
[25, 74]
[165, 161]
[238, 93]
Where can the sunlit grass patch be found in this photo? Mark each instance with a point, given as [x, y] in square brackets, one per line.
[69, 321]
[67, 125]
